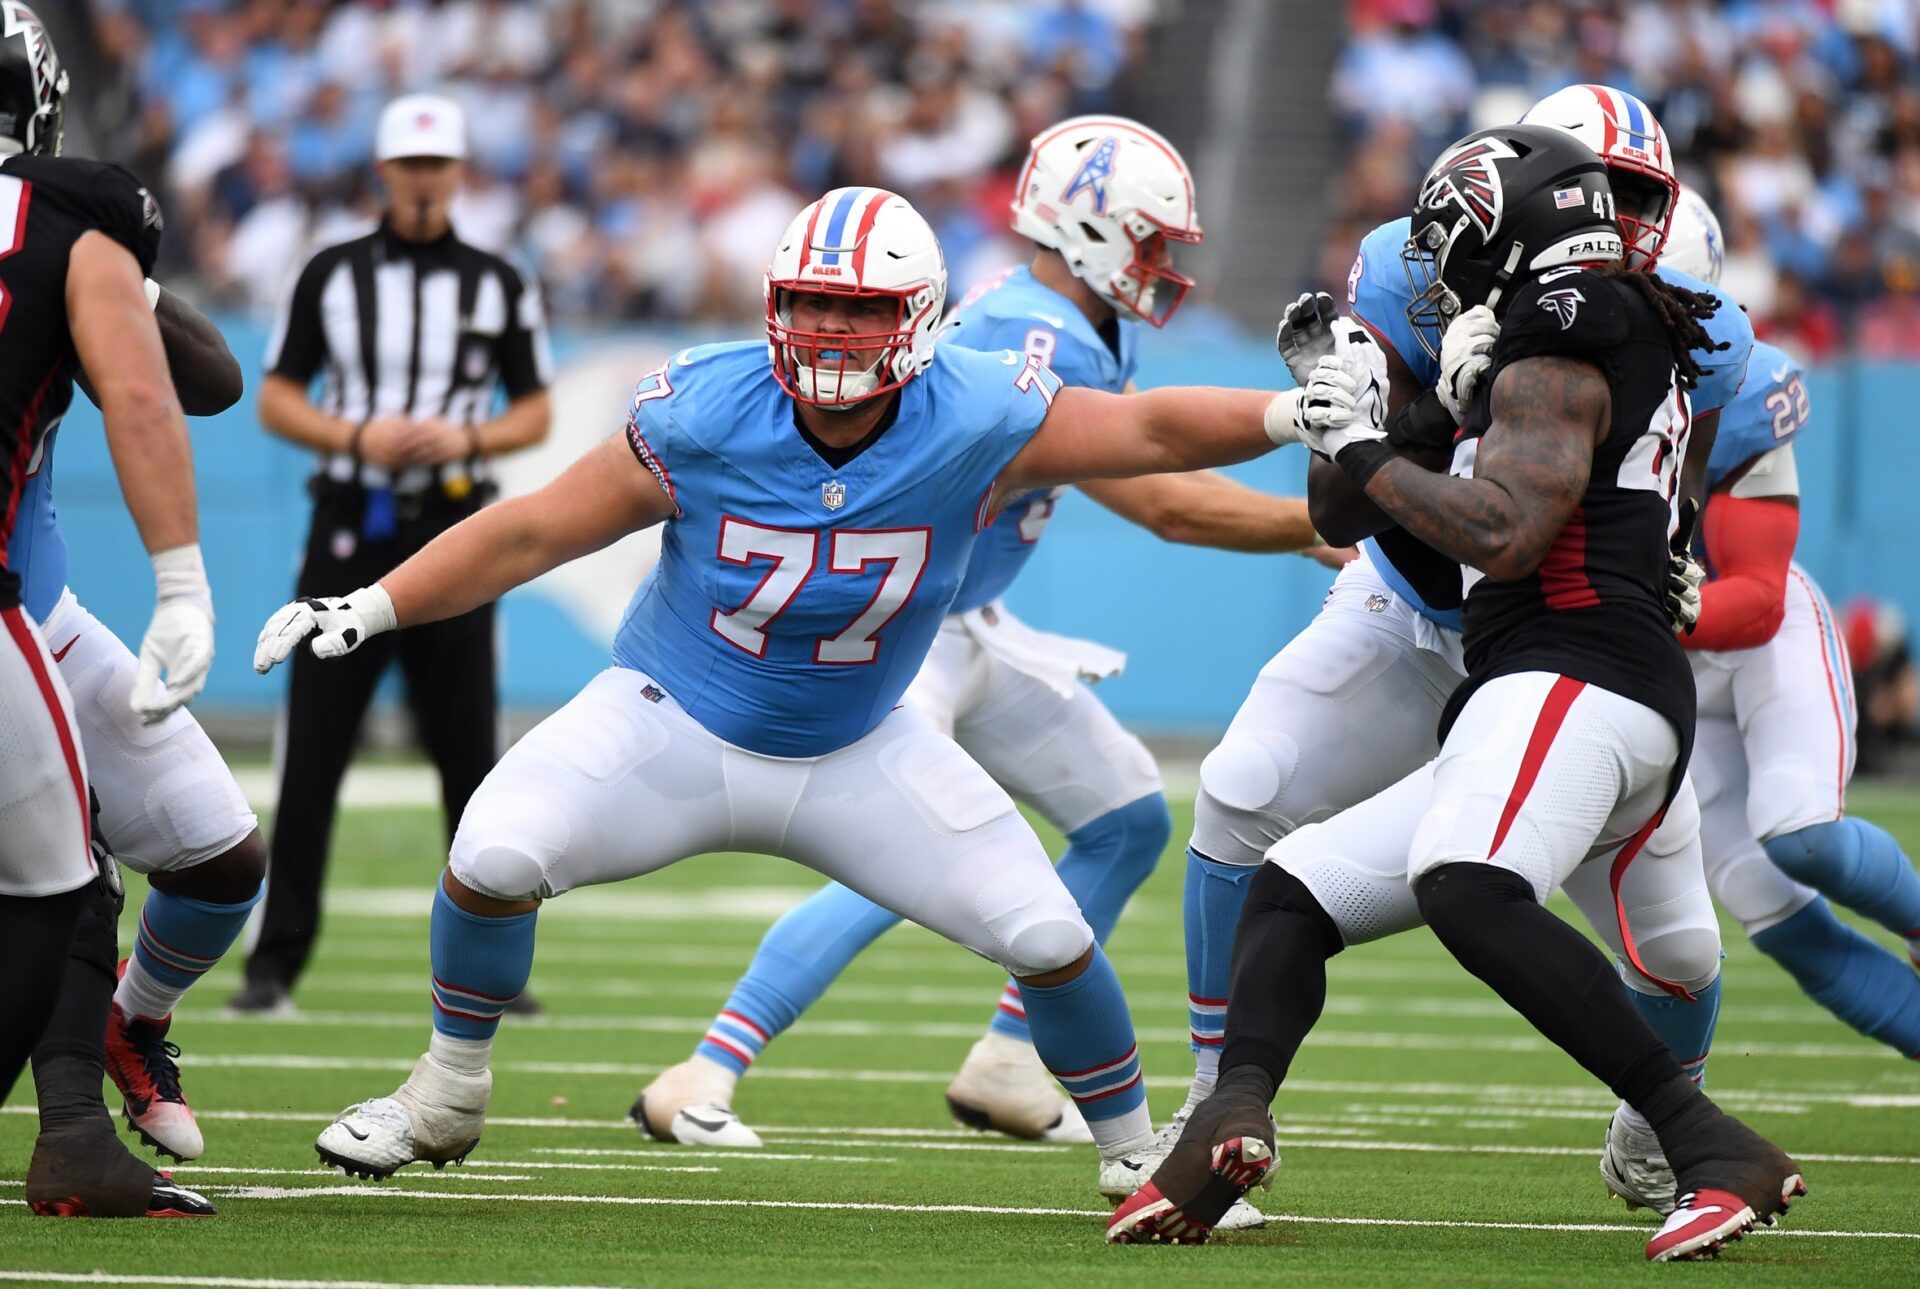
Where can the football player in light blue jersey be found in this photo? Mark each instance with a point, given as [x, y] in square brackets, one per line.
[1015, 698]
[819, 513]
[1774, 746]
[1384, 653]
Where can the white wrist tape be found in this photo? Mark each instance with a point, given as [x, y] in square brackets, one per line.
[152, 288]
[1281, 419]
[375, 608]
[181, 574]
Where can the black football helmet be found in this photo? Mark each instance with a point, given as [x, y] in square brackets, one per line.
[33, 85]
[1503, 205]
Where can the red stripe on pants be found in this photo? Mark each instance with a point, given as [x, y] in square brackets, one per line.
[23, 639]
[1553, 713]
[1618, 875]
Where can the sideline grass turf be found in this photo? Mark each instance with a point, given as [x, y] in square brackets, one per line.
[1420, 1099]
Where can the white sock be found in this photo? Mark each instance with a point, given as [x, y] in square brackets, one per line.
[723, 1076]
[461, 1055]
[1633, 1119]
[139, 994]
[1206, 1072]
[1123, 1134]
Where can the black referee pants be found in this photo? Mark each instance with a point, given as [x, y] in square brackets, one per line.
[451, 690]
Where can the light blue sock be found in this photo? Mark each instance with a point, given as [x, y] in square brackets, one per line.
[800, 955]
[1858, 866]
[1084, 1035]
[180, 940]
[1685, 1027]
[480, 964]
[1863, 984]
[1105, 863]
[1214, 894]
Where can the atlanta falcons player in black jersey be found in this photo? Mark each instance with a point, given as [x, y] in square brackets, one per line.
[79, 237]
[1567, 743]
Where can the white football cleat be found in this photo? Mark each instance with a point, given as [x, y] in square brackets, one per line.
[435, 1117]
[1003, 1087]
[690, 1103]
[1636, 1169]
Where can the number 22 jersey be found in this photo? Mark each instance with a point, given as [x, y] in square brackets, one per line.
[795, 600]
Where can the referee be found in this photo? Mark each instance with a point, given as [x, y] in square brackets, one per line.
[410, 330]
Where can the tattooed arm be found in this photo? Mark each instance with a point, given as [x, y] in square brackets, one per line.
[1529, 475]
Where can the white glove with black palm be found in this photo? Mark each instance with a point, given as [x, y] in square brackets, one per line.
[179, 639]
[1466, 351]
[338, 626]
[1342, 373]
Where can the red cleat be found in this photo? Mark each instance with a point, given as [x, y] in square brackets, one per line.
[1708, 1220]
[140, 1061]
[1147, 1216]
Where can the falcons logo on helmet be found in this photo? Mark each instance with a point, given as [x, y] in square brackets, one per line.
[16, 19]
[1468, 178]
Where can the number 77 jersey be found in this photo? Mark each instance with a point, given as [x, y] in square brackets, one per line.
[795, 600]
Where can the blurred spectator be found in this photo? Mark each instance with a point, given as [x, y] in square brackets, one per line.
[643, 155]
[1883, 679]
[1798, 119]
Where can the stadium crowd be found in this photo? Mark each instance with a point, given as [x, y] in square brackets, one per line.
[641, 155]
[1799, 120]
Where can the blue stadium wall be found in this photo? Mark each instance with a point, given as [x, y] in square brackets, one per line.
[1196, 624]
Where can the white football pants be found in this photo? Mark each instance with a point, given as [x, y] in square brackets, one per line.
[622, 781]
[44, 814]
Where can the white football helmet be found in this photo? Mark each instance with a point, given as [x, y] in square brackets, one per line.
[1109, 194]
[1625, 135]
[1693, 244]
[862, 242]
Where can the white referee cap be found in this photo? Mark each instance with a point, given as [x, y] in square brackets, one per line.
[422, 125]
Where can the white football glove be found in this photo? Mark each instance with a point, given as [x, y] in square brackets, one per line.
[338, 626]
[1345, 397]
[179, 639]
[1466, 351]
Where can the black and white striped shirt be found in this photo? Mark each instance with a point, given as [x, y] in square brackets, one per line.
[418, 329]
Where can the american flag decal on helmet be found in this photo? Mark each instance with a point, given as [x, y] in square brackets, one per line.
[1468, 178]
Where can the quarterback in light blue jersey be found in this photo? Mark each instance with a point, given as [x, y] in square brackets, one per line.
[1352, 704]
[821, 490]
[1016, 699]
[1774, 743]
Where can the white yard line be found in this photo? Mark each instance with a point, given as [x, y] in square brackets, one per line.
[1364, 1040]
[830, 1206]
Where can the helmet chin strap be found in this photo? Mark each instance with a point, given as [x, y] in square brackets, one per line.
[1505, 275]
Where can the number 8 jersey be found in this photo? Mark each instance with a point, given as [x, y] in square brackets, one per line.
[795, 600]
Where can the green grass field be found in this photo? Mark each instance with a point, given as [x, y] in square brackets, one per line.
[1428, 1135]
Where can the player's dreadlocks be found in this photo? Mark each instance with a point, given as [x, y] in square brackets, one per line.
[1681, 312]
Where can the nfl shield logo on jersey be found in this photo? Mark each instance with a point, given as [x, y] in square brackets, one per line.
[833, 494]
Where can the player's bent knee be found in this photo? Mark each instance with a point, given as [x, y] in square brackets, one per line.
[506, 847]
[1820, 855]
[231, 877]
[1685, 956]
[1241, 808]
[1031, 927]
[1133, 838]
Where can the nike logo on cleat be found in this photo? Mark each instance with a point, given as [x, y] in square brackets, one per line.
[705, 1125]
[354, 1132]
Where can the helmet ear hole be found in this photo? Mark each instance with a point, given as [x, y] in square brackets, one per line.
[1091, 233]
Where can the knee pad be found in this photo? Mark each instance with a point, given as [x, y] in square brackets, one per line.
[1243, 784]
[1688, 956]
[1036, 930]
[1130, 839]
[506, 845]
